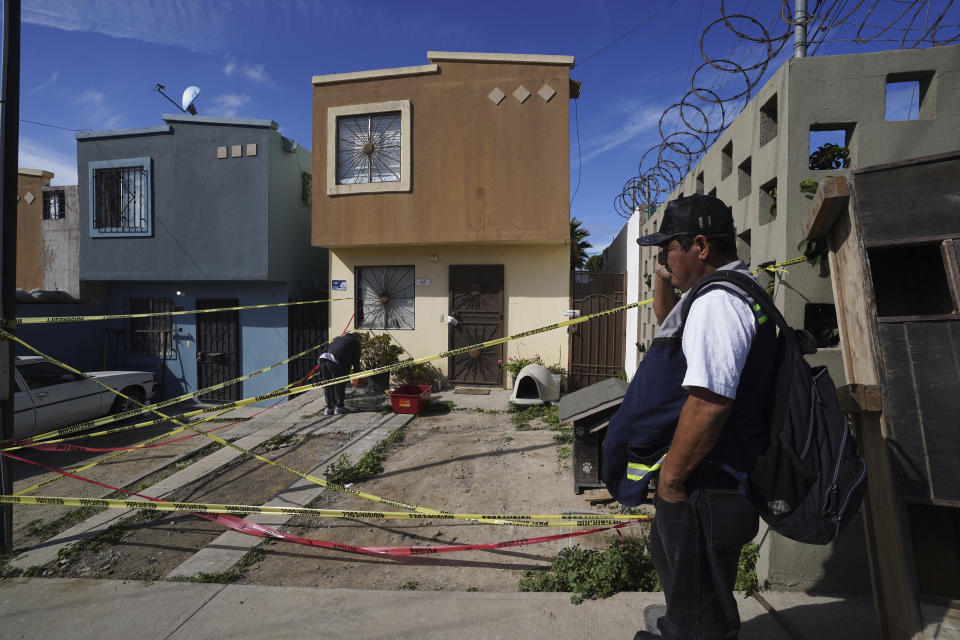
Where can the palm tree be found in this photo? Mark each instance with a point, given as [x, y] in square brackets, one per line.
[594, 263]
[578, 244]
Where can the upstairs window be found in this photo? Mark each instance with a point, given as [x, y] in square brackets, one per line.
[120, 203]
[54, 204]
[368, 148]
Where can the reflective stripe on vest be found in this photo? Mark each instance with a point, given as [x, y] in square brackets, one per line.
[643, 469]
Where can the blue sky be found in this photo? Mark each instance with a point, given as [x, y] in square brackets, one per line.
[92, 64]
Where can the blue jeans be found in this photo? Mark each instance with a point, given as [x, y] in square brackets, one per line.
[695, 547]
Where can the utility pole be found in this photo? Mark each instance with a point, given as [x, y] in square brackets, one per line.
[9, 143]
[800, 29]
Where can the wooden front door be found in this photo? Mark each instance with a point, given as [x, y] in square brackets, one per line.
[476, 301]
[218, 349]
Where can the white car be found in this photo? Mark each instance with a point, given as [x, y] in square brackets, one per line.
[49, 397]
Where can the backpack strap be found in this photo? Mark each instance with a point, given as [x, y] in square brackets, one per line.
[741, 281]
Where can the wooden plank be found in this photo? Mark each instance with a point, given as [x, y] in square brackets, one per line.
[950, 251]
[891, 557]
[860, 398]
[906, 202]
[887, 537]
[935, 352]
[902, 413]
[831, 198]
[854, 302]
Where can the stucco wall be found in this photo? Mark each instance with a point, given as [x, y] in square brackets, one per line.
[292, 256]
[209, 214]
[61, 246]
[536, 293]
[263, 332]
[482, 172]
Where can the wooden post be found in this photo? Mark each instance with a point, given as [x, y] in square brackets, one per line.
[833, 219]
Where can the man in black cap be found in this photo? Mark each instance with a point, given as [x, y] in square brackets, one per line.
[342, 354]
[700, 391]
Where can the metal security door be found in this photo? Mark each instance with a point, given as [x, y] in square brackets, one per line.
[307, 327]
[218, 349]
[597, 346]
[476, 301]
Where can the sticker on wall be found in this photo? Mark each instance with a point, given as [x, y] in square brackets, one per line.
[423, 282]
[338, 285]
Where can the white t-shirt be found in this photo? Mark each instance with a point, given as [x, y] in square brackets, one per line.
[716, 339]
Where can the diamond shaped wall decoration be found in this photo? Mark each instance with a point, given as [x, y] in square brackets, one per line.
[29, 197]
[546, 92]
[521, 94]
[496, 96]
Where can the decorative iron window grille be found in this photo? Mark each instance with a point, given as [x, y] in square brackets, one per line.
[54, 204]
[120, 200]
[306, 188]
[385, 297]
[368, 148]
[151, 336]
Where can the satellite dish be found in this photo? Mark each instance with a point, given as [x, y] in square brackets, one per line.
[189, 95]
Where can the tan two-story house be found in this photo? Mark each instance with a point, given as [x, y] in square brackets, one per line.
[442, 192]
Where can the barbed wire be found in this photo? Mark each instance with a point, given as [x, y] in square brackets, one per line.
[724, 83]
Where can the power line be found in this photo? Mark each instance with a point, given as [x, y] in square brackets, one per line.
[632, 29]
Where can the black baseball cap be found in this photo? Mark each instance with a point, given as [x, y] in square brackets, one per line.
[692, 216]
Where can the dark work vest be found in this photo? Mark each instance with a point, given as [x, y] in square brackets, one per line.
[641, 431]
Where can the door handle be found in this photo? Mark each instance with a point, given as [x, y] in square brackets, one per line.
[43, 394]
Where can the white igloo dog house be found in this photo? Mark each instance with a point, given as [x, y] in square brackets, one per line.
[535, 385]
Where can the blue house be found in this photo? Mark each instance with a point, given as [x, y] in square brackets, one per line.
[198, 213]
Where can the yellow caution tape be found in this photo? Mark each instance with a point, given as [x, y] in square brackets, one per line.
[124, 316]
[319, 481]
[48, 437]
[513, 519]
[112, 456]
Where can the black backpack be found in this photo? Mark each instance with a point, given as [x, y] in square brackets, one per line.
[810, 481]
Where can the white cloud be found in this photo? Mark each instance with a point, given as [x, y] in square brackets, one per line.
[227, 104]
[197, 26]
[636, 123]
[255, 72]
[43, 85]
[61, 161]
[98, 110]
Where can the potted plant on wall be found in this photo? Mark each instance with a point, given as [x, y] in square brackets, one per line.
[379, 351]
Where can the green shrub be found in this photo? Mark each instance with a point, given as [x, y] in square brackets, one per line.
[747, 569]
[341, 471]
[624, 565]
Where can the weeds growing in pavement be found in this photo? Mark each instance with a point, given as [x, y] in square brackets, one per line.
[523, 416]
[113, 535]
[563, 452]
[341, 471]
[624, 565]
[233, 574]
[410, 586]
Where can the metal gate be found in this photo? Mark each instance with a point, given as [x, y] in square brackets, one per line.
[218, 349]
[597, 346]
[476, 301]
[306, 327]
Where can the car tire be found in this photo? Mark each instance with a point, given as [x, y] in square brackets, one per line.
[121, 404]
